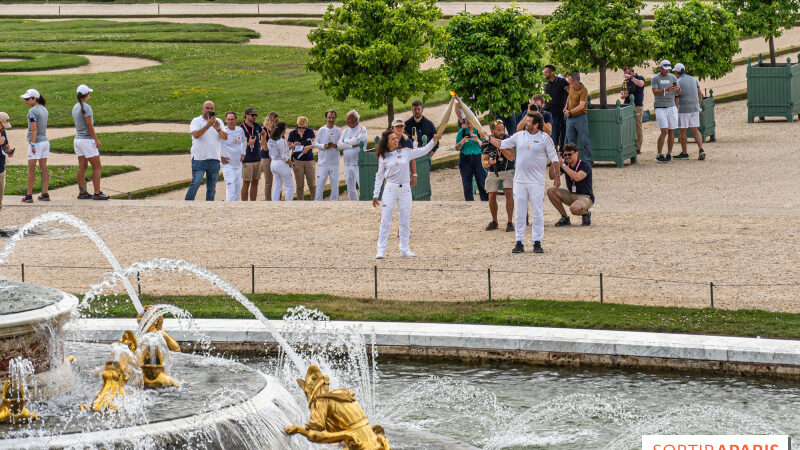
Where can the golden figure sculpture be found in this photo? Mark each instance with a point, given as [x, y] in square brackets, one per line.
[157, 325]
[114, 379]
[336, 416]
[151, 360]
[12, 409]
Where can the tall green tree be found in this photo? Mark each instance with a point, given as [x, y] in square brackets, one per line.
[372, 50]
[494, 59]
[766, 18]
[700, 34]
[598, 34]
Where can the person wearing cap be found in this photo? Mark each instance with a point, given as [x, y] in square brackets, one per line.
[86, 145]
[39, 146]
[665, 89]
[406, 141]
[5, 150]
[469, 162]
[689, 103]
[301, 141]
[634, 85]
[207, 134]
[326, 144]
[233, 151]
[255, 140]
[353, 137]
[575, 114]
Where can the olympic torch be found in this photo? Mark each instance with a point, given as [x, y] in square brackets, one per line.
[446, 115]
[468, 113]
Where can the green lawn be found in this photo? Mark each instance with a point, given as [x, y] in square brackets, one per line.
[234, 76]
[60, 176]
[295, 22]
[132, 143]
[542, 313]
[40, 61]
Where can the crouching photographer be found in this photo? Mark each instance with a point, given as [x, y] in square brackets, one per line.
[578, 195]
[500, 163]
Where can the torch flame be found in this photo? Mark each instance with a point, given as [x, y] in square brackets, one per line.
[452, 93]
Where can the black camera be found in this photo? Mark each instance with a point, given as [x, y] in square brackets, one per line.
[212, 114]
[535, 107]
[491, 150]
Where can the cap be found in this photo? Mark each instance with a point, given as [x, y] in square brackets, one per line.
[31, 93]
[84, 89]
[666, 65]
[397, 122]
[249, 110]
[4, 120]
[679, 68]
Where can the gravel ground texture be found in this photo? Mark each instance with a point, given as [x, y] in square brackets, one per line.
[731, 219]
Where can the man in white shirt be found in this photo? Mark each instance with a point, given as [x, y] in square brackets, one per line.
[205, 151]
[532, 149]
[232, 153]
[352, 136]
[326, 144]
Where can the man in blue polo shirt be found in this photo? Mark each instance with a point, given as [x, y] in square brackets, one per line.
[254, 134]
[578, 194]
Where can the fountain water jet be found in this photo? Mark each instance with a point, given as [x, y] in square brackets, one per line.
[62, 217]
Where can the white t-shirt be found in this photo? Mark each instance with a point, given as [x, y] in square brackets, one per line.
[207, 147]
[325, 135]
[349, 141]
[233, 148]
[532, 153]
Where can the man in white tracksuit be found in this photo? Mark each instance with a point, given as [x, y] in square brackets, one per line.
[326, 144]
[352, 136]
[232, 152]
[532, 150]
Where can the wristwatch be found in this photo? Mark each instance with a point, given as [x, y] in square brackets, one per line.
[414, 175]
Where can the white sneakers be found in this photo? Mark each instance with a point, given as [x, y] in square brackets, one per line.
[407, 254]
[379, 255]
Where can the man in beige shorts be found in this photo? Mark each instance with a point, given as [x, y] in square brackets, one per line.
[255, 141]
[578, 195]
[500, 163]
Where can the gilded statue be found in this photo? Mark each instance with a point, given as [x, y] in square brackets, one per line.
[12, 409]
[157, 325]
[151, 360]
[336, 416]
[114, 376]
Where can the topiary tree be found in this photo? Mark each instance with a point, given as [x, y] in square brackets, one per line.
[371, 50]
[598, 34]
[766, 18]
[494, 58]
[701, 35]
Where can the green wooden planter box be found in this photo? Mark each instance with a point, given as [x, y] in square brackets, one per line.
[368, 167]
[612, 132]
[708, 125]
[773, 91]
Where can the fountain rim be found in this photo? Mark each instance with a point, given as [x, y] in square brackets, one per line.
[30, 317]
[168, 427]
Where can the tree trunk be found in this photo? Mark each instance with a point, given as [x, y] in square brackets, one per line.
[603, 97]
[772, 51]
[390, 112]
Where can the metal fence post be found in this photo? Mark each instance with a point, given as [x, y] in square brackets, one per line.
[711, 285]
[601, 287]
[489, 277]
[22, 269]
[139, 283]
[252, 278]
[375, 278]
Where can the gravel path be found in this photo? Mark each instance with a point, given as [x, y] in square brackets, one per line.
[731, 219]
[97, 64]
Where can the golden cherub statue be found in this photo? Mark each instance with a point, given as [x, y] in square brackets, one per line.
[114, 379]
[157, 325]
[336, 416]
[12, 408]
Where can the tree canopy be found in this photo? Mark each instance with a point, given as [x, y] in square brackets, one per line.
[701, 35]
[494, 58]
[598, 34]
[371, 50]
[766, 18]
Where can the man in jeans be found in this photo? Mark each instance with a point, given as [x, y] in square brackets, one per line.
[207, 134]
[634, 85]
[469, 161]
[665, 89]
[556, 87]
[575, 112]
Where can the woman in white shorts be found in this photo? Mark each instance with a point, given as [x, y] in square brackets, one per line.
[86, 145]
[39, 146]
[280, 158]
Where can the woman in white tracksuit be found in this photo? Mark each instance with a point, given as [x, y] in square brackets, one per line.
[280, 165]
[393, 167]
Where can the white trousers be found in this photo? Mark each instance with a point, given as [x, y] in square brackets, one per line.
[233, 183]
[281, 178]
[351, 177]
[323, 173]
[528, 194]
[393, 195]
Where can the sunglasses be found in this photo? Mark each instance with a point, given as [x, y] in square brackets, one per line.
[569, 153]
[301, 128]
[254, 115]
